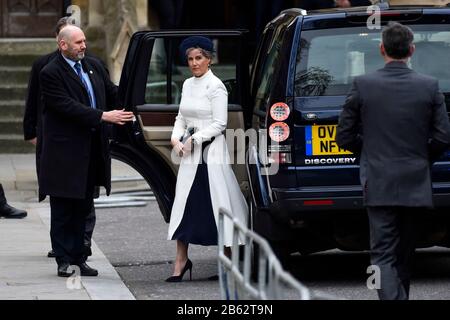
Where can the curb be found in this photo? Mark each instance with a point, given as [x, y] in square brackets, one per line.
[108, 285]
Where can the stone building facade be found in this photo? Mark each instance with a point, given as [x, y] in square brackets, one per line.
[27, 32]
[109, 25]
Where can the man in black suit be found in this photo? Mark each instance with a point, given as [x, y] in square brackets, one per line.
[76, 91]
[33, 106]
[32, 127]
[397, 120]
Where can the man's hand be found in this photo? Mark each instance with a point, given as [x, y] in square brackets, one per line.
[118, 116]
[33, 141]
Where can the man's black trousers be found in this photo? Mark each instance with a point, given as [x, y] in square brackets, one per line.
[68, 223]
[69, 233]
[392, 244]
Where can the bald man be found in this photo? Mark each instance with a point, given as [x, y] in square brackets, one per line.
[76, 94]
[32, 125]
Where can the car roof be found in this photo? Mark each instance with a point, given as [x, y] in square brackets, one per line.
[403, 5]
[427, 3]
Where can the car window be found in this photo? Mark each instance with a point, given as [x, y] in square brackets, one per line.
[156, 88]
[165, 56]
[328, 60]
[261, 55]
[264, 78]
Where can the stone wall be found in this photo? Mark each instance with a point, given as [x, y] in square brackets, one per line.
[109, 25]
[84, 6]
[120, 23]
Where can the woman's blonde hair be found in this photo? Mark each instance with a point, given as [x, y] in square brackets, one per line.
[207, 54]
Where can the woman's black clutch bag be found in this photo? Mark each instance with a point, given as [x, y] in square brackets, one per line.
[189, 132]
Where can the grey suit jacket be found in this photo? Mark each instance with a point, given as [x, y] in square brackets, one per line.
[395, 118]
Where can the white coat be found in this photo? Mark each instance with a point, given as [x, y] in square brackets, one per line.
[204, 106]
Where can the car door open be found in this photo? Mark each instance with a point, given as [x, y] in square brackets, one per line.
[151, 86]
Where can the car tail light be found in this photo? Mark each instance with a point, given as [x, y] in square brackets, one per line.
[280, 111]
[279, 131]
[281, 158]
[318, 202]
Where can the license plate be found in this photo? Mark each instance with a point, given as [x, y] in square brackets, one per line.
[321, 141]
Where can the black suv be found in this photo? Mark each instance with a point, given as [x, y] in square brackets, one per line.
[303, 191]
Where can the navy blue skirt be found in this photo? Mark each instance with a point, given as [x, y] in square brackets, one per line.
[198, 225]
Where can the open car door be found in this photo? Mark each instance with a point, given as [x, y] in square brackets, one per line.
[150, 86]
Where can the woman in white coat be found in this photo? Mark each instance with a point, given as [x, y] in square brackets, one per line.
[205, 179]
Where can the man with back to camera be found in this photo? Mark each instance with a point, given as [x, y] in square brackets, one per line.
[405, 126]
[75, 153]
[32, 125]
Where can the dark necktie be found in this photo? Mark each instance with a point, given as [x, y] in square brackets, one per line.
[80, 75]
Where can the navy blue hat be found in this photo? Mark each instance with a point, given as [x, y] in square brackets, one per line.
[196, 42]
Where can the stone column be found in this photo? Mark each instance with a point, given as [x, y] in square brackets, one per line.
[121, 21]
[95, 13]
[84, 5]
[110, 25]
[141, 13]
[95, 32]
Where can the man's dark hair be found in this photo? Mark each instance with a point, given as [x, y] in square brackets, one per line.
[397, 40]
[64, 21]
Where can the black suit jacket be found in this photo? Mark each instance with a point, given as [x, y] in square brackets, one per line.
[33, 106]
[401, 114]
[319, 4]
[357, 3]
[68, 124]
[32, 120]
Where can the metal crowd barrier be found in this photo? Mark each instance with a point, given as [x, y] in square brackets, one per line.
[235, 274]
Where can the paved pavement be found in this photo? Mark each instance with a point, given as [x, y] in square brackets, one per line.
[25, 271]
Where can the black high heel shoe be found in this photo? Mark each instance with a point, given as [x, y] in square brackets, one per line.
[187, 266]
